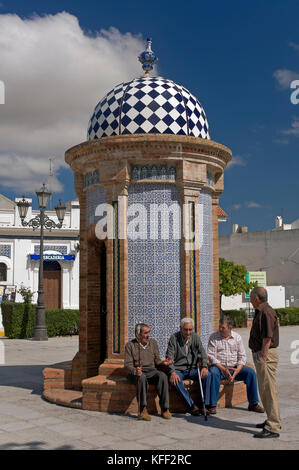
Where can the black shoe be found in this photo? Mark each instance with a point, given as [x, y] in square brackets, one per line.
[266, 434]
[261, 425]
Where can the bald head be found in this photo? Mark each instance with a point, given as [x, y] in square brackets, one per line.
[258, 295]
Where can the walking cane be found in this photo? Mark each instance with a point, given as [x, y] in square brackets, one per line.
[138, 381]
[202, 395]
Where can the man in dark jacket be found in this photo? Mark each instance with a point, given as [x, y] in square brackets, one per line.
[141, 360]
[186, 350]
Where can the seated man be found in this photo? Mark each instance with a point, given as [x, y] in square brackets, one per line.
[145, 372]
[228, 360]
[186, 350]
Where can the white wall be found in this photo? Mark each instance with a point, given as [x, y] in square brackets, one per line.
[276, 298]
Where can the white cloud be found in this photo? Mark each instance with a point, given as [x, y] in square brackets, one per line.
[294, 46]
[54, 75]
[236, 160]
[280, 141]
[284, 77]
[294, 130]
[236, 207]
[256, 205]
[253, 205]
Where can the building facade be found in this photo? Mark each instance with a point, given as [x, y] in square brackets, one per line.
[274, 251]
[19, 256]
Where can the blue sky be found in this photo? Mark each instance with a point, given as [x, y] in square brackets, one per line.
[238, 58]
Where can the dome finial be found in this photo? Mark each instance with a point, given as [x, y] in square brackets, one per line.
[148, 58]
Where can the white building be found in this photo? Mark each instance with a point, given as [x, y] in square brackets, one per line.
[19, 256]
[274, 251]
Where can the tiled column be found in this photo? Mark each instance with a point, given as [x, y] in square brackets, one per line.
[189, 182]
[117, 277]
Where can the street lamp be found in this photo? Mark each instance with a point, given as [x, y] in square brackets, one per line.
[42, 221]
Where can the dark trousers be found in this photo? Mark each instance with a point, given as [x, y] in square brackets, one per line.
[156, 377]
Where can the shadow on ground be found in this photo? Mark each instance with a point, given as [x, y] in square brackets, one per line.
[34, 445]
[26, 377]
[225, 424]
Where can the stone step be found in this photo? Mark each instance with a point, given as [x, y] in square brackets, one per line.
[70, 398]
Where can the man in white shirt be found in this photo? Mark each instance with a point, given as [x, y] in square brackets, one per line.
[228, 360]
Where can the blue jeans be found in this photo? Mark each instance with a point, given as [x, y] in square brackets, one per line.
[247, 375]
[192, 374]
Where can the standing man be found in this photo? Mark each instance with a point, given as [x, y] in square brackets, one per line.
[186, 350]
[227, 356]
[146, 349]
[263, 341]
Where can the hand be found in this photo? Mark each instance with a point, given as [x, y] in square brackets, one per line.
[174, 378]
[264, 356]
[138, 371]
[204, 373]
[232, 377]
[168, 361]
[227, 374]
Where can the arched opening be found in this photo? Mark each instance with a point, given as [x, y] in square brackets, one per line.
[3, 272]
[52, 284]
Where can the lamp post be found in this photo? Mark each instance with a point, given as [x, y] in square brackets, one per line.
[42, 221]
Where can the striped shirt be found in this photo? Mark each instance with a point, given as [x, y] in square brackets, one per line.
[228, 352]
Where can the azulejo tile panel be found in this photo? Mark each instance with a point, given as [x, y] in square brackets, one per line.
[5, 250]
[59, 248]
[90, 178]
[153, 172]
[155, 264]
[206, 267]
[94, 197]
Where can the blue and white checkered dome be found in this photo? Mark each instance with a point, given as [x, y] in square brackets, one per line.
[148, 105]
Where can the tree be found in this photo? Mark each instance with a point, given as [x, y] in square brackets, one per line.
[232, 279]
[26, 294]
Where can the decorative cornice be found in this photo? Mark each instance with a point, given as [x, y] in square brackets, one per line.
[142, 146]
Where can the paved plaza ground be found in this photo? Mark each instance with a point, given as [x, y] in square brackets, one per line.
[29, 422]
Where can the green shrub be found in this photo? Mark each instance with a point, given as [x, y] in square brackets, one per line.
[238, 317]
[19, 320]
[62, 322]
[288, 316]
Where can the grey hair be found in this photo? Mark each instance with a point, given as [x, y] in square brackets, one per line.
[261, 293]
[227, 320]
[139, 327]
[187, 320]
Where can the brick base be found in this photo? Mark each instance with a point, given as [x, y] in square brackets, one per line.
[113, 393]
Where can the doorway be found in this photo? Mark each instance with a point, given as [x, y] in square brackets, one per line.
[52, 284]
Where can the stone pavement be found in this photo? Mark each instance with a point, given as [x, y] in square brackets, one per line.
[29, 422]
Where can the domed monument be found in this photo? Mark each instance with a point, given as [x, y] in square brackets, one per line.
[148, 179]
